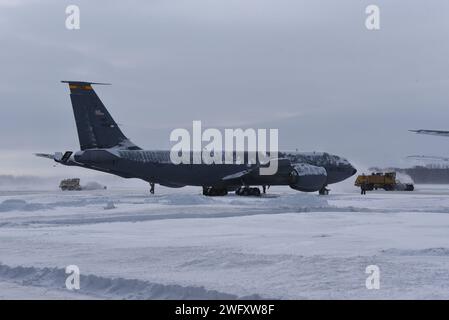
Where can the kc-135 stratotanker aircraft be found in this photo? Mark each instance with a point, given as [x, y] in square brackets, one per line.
[105, 148]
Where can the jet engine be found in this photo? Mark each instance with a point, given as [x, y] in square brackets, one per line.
[307, 178]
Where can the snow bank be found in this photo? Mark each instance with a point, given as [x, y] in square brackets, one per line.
[418, 252]
[285, 201]
[27, 182]
[181, 199]
[21, 205]
[93, 186]
[110, 205]
[110, 288]
[403, 177]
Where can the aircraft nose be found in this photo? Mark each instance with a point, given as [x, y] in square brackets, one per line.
[354, 171]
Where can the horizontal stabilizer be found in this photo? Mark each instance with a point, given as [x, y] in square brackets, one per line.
[236, 175]
[280, 163]
[44, 155]
[85, 83]
[57, 156]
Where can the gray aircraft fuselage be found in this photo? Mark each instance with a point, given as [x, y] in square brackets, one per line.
[156, 167]
[105, 148]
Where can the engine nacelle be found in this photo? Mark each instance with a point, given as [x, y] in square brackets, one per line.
[307, 178]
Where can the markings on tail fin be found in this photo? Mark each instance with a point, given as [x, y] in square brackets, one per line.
[95, 125]
[88, 87]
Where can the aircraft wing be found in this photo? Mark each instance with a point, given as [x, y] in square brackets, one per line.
[281, 162]
[237, 175]
[432, 158]
[432, 132]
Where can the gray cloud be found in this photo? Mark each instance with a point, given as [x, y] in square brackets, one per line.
[309, 68]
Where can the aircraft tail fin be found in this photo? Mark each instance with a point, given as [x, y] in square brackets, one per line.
[96, 127]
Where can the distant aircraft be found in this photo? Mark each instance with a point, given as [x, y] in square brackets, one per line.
[430, 158]
[103, 147]
[440, 133]
[432, 132]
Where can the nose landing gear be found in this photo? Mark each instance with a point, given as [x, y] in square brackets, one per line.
[152, 187]
[241, 191]
[324, 191]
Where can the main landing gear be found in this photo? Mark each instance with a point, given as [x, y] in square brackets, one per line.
[213, 191]
[240, 191]
[247, 191]
[265, 188]
[324, 191]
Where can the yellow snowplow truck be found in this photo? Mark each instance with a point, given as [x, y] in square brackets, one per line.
[379, 180]
[70, 184]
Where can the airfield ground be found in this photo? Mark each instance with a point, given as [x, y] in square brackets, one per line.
[180, 244]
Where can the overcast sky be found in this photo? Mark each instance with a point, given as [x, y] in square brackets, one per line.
[309, 68]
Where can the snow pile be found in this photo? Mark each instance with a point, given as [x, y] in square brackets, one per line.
[110, 288]
[404, 178]
[294, 201]
[93, 186]
[27, 182]
[20, 205]
[182, 199]
[110, 205]
[299, 200]
[418, 252]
